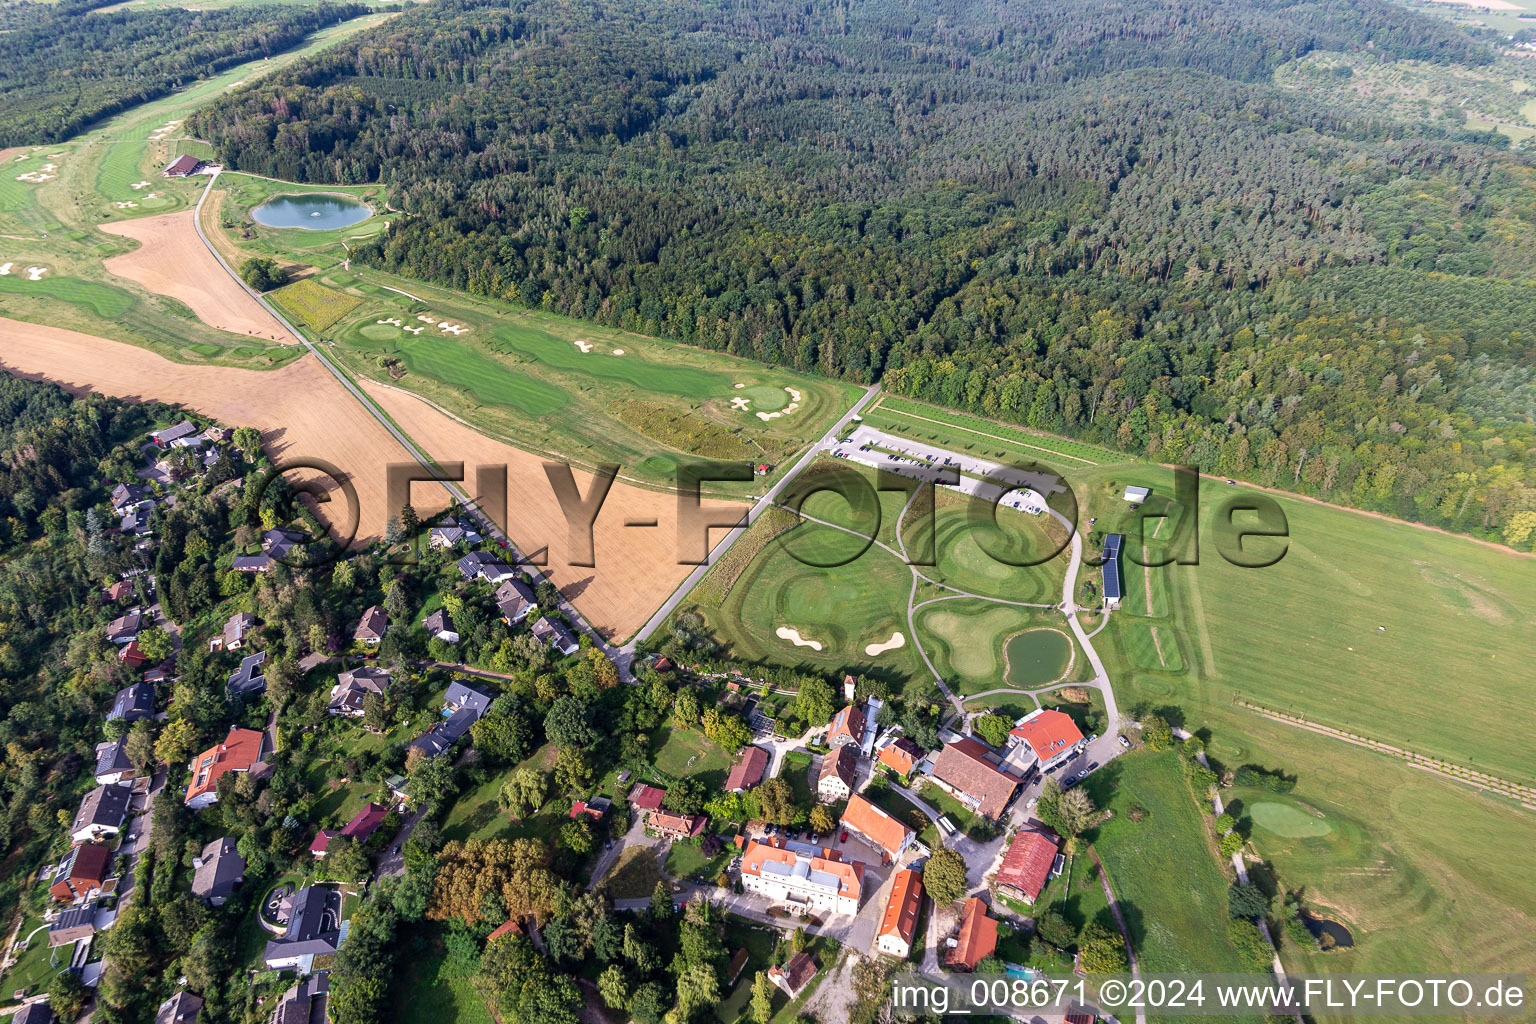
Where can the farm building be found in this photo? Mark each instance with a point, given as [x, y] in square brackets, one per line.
[182, 166]
[1028, 862]
[1137, 495]
[900, 921]
[1112, 588]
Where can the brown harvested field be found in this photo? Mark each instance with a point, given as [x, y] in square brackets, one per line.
[300, 409]
[637, 566]
[172, 260]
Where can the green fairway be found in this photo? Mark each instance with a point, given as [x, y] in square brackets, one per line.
[966, 638]
[93, 297]
[978, 557]
[1288, 820]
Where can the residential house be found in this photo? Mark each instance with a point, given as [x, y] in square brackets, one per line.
[217, 870]
[72, 925]
[82, 873]
[557, 635]
[275, 546]
[248, 678]
[132, 703]
[130, 654]
[801, 876]
[1027, 864]
[899, 924]
[962, 769]
[876, 826]
[847, 728]
[976, 940]
[399, 787]
[748, 770]
[463, 707]
[370, 628]
[515, 600]
[313, 929]
[179, 168]
[353, 687]
[796, 973]
[235, 632]
[677, 826]
[126, 497]
[241, 751]
[305, 1003]
[363, 825]
[595, 807]
[178, 435]
[112, 763]
[646, 798]
[839, 772]
[101, 814]
[120, 591]
[452, 532]
[900, 757]
[1052, 737]
[484, 566]
[135, 522]
[126, 626]
[33, 1013]
[440, 625]
[461, 696]
[181, 1008]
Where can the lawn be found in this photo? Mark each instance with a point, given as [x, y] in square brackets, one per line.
[635, 875]
[35, 968]
[759, 942]
[425, 995]
[477, 813]
[986, 438]
[685, 860]
[688, 753]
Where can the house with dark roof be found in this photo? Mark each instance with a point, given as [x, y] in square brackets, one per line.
[440, 625]
[72, 925]
[557, 635]
[217, 870]
[452, 532]
[847, 727]
[248, 678]
[184, 432]
[962, 769]
[1113, 592]
[33, 1013]
[135, 522]
[112, 763]
[235, 632]
[363, 825]
[839, 772]
[748, 770]
[182, 166]
[796, 973]
[1027, 865]
[976, 939]
[370, 628]
[353, 687]
[132, 703]
[101, 814]
[241, 751]
[251, 563]
[125, 497]
[461, 696]
[126, 626]
[482, 565]
[463, 706]
[313, 929]
[82, 872]
[1051, 736]
[515, 600]
[181, 1008]
[306, 1002]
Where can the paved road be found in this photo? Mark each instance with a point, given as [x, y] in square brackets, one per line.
[392, 858]
[736, 532]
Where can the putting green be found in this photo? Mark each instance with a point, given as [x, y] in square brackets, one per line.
[1287, 820]
[971, 556]
[966, 637]
[1038, 656]
[764, 398]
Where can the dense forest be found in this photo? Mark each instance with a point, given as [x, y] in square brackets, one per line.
[1105, 221]
[67, 65]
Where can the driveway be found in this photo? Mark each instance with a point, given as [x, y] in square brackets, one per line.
[392, 858]
[610, 856]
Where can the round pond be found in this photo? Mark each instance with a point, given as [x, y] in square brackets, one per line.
[316, 211]
[1037, 657]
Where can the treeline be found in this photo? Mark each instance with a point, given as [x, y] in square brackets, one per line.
[1058, 216]
[65, 66]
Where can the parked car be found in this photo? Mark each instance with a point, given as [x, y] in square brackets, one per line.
[1125, 743]
[845, 837]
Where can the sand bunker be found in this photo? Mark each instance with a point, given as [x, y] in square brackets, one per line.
[36, 273]
[413, 330]
[392, 320]
[163, 131]
[454, 329]
[896, 641]
[38, 177]
[138, 185]
[794, 403]
[740, 404]
[172, 260]
[618, 351]
[425, 319]
[794, 637]
[740, 386]
[585, 346]
[5, 269]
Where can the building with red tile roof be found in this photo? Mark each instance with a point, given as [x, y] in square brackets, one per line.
[1027, 864]
[794, 975]
[511, 927]
[797, 876]
[900, 922]
[839, 772]
[83, 869]
[363, 825]
[900, 756]
[847, 727]
[748, 771]
[976, 940]
[677, 826]
[647, 798]
[875, 825]
[241, 750]
[962, 768]
[1050, 735]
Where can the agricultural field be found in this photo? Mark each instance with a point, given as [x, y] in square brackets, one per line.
[313, 304]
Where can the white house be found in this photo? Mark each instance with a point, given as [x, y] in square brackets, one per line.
[794, 874]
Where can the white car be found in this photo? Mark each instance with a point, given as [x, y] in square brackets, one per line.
[1125, 743]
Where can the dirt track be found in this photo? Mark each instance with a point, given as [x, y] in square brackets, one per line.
[303, 412]
[172, 260]
[636, 566]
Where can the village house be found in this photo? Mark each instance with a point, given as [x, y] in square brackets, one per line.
[112, 763]
[1052, 737]
[748, 770]
[557, 635]
[1028, 863]
[101, 814]
[594, 807]
[126, 626]
[181, 1008]
[962, 769]
[120, 591]
[179, 435]
[515, 600]
[313, 930]
[464, 707]
[363, 825]
[676, 826]
[132, 703]
[484, 566]
[216, 871]
[976, 939]
[72, 925]
[131, 655]
[440, 625]
[839, 772]
[248, 678]
[899, 924]
[370, 628]
[646, 798]
[305, 1003]
[353, 687]
[275, 546]
[126, 497]
[801, 876]
[135, 522]
[900, 757]
[241, 751]
[82, 873]
[847, 728]
[451, 532]
[796, 973]
[879, 828]
[234, 634]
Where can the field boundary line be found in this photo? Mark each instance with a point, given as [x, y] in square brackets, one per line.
[1524, 795]
[879, 407]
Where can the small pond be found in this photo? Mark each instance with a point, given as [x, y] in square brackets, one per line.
[1329, 934]
[1037, 657]
[316, 211]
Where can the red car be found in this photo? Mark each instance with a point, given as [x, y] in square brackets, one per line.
[845, 837]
